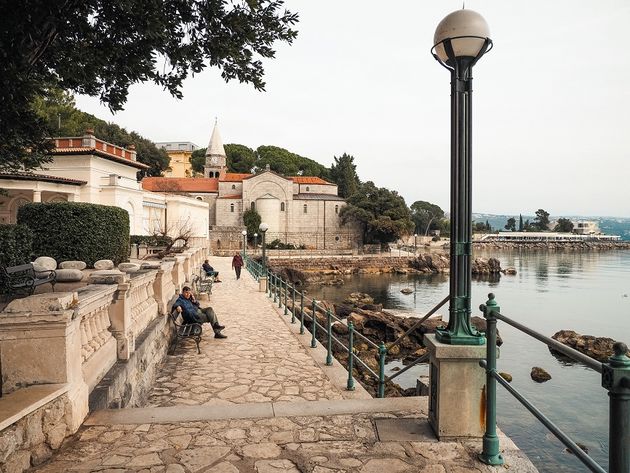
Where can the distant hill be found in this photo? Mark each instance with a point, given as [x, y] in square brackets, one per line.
[608, 225]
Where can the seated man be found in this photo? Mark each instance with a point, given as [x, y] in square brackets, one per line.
[192, 313]
[210, 271]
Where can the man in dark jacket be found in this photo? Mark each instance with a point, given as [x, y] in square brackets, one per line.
[237, 264]
[192, 313]
[209, 270]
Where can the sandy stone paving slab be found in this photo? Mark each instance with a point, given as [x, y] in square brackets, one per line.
[317, 444]
[260, 361]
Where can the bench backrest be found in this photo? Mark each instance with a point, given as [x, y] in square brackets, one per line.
[22, 268]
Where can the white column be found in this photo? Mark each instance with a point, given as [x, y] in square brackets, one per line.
[37, 196]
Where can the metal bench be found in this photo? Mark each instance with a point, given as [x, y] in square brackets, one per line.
[24, 279]
[185, 331]
[202, 283]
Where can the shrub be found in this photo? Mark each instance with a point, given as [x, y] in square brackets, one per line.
[151, 240]
[16, 245]
[77, 231]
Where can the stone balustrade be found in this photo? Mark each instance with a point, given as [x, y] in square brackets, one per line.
[64, 350]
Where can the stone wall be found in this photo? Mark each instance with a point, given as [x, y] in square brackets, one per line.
[376, 263]
[62, 354]
[552, 245]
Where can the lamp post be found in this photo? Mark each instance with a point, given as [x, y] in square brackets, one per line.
[244, 233]
[263, 227]
[415, 244]
[461, 38]
[255, 243]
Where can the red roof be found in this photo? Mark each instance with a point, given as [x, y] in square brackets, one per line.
[27, 176]
[231, 196]
[308, 180]
[68, 146]
[234, 177]
[181, 184]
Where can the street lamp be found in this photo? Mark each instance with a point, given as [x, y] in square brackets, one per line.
[263, 227]
[244, 233]
[256, 243]
[461, 38]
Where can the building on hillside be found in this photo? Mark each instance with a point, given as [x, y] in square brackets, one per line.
[529, 237]
[586, 227]
[86, 169]
[301, 210]
[179, 153]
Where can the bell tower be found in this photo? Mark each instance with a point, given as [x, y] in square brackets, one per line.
[216, 160]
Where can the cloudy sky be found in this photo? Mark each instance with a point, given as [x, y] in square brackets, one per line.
[551, 102]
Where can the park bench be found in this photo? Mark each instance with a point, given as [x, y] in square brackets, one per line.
[185, 331]
[24, 279]
[202, 283]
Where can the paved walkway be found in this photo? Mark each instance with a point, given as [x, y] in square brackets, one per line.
[262, 360]
[261, 401]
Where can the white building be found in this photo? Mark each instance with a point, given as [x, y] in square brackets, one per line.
[524, 237]
[301, 210]
[586, 227]
[86, 169]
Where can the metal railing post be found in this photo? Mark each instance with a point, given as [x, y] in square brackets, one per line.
[490, 455]
[616, 379]
[314, 326]
[293, 305]
[382, 351]
[329, 358]
[286, 293]
[301, 312]
[350, 385]
[280, 281]
[269, 283]
[275, 288]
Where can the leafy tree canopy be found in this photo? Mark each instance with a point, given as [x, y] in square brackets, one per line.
[426, 216]
[252, 220]
[240, 158]
[57, 109]
[563, 225]
[102, 47]
[343, 172]
[381, 213]
[541, 222]
[511, 224]
[287, 163]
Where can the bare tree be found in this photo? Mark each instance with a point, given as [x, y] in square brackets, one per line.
[176, 232]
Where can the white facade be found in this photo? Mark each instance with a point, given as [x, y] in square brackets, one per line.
[105, 174]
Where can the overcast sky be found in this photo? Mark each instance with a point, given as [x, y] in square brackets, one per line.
[551, 102]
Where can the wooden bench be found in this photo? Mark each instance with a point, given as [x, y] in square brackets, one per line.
[24, 279]
[185, 331]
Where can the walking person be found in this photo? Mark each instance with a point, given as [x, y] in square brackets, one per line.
[237, 264]
[192, 313]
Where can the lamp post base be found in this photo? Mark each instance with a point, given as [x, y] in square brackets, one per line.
[453, 338]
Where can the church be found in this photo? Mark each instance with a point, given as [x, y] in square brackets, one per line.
[299, 210]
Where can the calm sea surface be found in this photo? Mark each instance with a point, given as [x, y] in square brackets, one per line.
[587, 292]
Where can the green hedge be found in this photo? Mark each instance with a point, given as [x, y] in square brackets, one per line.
[150, 240]
[16, 245]
[77, 231]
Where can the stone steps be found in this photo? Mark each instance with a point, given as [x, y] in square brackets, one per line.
[176, 414]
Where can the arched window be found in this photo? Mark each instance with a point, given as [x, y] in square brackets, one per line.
[253, 206]
[336, 209]
[308, 188]
[281, 206]
[231, 207]
[305, 208]
[233, 186]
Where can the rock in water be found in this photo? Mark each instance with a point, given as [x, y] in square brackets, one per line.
[358, 298]
[506, 376]
[406, 290]
[599, 348]
[540, 375]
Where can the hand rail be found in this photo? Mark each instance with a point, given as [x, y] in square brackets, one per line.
[419, 322]
[422, 359]
[615, 378]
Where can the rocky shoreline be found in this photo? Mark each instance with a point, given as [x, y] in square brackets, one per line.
[552, 245]
[330, 270]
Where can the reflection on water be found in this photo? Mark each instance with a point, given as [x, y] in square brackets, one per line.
[581, 291]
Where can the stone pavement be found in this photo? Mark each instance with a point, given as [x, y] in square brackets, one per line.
[261, 360]
[261, 401]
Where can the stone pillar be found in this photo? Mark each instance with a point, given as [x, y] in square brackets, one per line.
[163, 286]
[120, 317]
[457, 389]
[37, 196]
[262, 284]
[40, 343]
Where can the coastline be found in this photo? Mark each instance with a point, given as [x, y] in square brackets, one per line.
[552, 245]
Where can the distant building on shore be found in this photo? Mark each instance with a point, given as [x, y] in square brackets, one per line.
[179, 153]
[586, 227]
[529, 237]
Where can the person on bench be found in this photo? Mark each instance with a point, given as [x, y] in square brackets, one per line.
[192, 313]
[210, 271]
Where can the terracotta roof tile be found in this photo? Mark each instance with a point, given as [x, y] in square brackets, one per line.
[180, 184]
[308, 180]
[234, 177]
[28, 176]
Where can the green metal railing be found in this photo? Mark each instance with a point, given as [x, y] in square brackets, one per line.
[615, 378]
[296, 303]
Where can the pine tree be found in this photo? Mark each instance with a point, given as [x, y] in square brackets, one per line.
[520, 222]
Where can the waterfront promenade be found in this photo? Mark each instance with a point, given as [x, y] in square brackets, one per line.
[263, 401]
